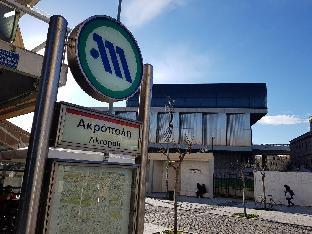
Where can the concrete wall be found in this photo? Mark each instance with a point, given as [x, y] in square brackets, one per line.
[299, 182]
[156, 176]
[193, 172]
[196, 168]
[171, 178]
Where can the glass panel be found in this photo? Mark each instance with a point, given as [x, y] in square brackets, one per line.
[191, 127]
[214, 126]
[238, 130]
[153, 127]
[164, 128]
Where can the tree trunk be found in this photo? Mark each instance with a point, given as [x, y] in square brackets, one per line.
[244, 186]
[263, 188]
[175, 206]
[167, 178]
[167, 175]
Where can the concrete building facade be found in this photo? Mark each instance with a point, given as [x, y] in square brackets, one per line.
[301, 151]
[279, 162]
[216, 117]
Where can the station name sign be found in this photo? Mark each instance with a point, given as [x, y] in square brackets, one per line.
[86, 129]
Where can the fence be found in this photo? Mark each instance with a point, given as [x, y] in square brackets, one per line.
[231, 186]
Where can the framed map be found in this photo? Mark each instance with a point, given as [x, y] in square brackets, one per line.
[90, 198]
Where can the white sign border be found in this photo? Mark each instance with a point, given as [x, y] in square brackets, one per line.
[77, 146]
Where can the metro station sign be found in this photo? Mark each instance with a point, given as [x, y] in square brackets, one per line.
[85, 129]
[105, 59]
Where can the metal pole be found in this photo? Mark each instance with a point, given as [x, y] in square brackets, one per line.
[111, 104]
[119, 10]
[39, 139]
[110, 107]
[144, 110]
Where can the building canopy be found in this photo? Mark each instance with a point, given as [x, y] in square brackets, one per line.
[220, 95]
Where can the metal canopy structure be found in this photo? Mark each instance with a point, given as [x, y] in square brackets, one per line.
[20, 69]
[12, 137]
[18, 89]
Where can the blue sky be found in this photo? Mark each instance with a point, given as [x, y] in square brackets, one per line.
[211, 41]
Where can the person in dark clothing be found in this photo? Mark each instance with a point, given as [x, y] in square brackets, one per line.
[289, 194]
[198, 189]
[201, 190]
[204, 188]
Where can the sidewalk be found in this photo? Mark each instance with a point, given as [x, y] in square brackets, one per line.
[227, 207]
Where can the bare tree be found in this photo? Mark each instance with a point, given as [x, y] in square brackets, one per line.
[169, 108]
[257, 167]
[241, 167]
[176, 165]
[262, 168]
[263, 189]
[174, 162]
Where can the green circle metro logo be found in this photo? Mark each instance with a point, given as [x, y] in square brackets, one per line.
[105, 59]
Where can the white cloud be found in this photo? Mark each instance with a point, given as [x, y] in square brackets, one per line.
[138, 12]
[181, 64]
[282, 120]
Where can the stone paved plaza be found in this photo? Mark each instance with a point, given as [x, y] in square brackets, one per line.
[217, 218]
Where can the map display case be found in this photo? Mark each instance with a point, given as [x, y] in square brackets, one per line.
[90, 198]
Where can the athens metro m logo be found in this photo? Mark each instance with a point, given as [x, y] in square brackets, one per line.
[105, 46]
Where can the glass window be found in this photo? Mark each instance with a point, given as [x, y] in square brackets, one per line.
[164, 128]
[191, 127]
[214, 126]
[238, 131]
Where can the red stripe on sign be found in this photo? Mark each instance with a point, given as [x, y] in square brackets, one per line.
[100, 117]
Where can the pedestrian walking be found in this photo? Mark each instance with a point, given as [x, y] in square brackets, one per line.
[289, 194]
